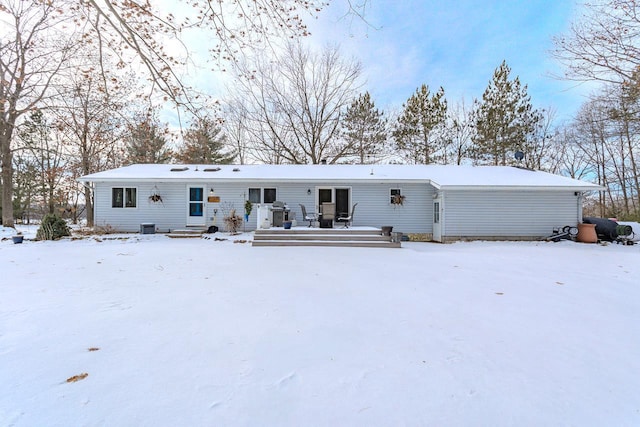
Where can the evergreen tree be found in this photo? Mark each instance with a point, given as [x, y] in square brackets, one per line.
[205, 143]
[504, 119]
[365, 129]
[418, 128]
[146, 141]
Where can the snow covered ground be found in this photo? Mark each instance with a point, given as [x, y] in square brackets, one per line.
[199, 332]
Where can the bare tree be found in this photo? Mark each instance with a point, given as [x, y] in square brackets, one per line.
[37, 38]
[42, 148]
[32, 52]
[458, 132]
[90, 117]
[238, 134]
[567, 158]
[603, 44]
[538, 145]
[295, 104]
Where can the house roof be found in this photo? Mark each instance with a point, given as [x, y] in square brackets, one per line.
[440, 176]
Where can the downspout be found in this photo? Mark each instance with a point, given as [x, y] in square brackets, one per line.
[580, 199]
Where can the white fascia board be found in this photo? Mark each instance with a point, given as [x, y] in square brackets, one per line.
[317, 181]
[521, 187]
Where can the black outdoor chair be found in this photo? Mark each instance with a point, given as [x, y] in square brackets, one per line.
[349, 218]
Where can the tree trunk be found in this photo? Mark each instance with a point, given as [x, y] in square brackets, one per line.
[88, 197]
[634, 167]
[7, 175]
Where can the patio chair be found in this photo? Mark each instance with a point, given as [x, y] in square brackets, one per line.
[349, 218]
[311, 218]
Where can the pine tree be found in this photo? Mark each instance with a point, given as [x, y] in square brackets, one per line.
[146, 141]
[205, 143]
[365, 129]
[417, 130]
[504, 119]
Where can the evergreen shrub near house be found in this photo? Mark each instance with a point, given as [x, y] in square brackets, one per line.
[52, 228]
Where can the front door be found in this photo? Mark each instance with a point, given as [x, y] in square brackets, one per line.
[195, 206]
[437, 220]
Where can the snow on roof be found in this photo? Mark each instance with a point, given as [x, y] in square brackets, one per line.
[441, 176]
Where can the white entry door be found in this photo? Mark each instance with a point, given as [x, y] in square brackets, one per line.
[437, 219]
[195, 206]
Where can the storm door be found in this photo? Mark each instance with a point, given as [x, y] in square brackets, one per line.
[437, 220]
[195, 206]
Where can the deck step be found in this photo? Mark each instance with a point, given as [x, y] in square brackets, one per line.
[334, 237]
[326, 243]
[321, 237]
[186, 233]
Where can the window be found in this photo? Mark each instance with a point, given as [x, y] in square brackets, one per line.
[254, 195]
[268, 195]
[396, 197]
[436, 212]
[123, 197]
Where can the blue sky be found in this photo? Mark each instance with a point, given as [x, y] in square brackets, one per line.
[456, 45]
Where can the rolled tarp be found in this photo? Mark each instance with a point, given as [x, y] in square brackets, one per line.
[635, 229]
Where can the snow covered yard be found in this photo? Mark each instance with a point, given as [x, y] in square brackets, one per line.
[196, 332]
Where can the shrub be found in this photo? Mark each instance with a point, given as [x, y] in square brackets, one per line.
[52, 228]
[233, 222]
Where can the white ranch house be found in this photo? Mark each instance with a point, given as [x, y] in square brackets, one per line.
[445, 203]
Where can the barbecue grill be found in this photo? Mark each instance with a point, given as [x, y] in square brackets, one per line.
[279, 212]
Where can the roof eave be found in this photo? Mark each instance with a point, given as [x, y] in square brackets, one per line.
[521, 187]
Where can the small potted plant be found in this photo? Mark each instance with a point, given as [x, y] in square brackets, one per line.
[18, 237]
[155, 198]
[397, 199]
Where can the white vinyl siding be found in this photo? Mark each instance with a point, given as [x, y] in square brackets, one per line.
[482, 213]
[374, 209]
[513, 213]
[167, 215]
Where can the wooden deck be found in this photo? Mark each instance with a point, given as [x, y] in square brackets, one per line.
[336, 237]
